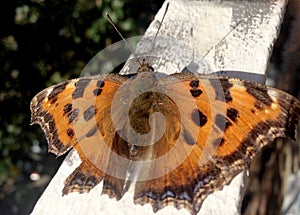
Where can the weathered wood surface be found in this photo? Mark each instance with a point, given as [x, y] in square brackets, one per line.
[195, 32]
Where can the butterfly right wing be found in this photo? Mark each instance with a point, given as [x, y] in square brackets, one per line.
[224, 123]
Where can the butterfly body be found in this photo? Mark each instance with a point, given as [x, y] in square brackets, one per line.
[174, 138]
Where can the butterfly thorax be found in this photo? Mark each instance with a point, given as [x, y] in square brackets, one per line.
[150, 112]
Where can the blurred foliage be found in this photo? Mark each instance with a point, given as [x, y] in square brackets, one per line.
[44, 42]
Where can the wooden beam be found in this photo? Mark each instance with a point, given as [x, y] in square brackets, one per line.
[202, 36]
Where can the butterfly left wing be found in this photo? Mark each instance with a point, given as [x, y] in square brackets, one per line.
[224, 123]
[75, 114]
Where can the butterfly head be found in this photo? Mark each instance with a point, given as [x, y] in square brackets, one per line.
[145, 67]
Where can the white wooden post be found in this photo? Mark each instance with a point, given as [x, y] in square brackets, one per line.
[196, 31]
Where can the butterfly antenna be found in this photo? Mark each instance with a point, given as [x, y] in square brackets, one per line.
[223, 38]
[167, 7]
[117, 30]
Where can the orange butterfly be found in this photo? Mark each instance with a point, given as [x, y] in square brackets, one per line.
[175, 138]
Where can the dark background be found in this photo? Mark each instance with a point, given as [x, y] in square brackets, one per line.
[44, 42]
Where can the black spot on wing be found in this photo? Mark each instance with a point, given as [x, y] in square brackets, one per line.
[73, 115]
[100, 83]
[199, 118]
[97, 92]
[188, 137]
[52, 97]
[89, 113]
[194, 83]
[219, 142]
[67, 108]
[222, 122]
[91, 132]
[80, 87]
[232, 114]
[222, 89]
[196, 92]
[70, 132]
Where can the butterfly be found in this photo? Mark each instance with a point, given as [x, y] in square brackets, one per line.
[174, 138]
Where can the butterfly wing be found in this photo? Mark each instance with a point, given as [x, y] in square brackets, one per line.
[76, 114]
[224, 123]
